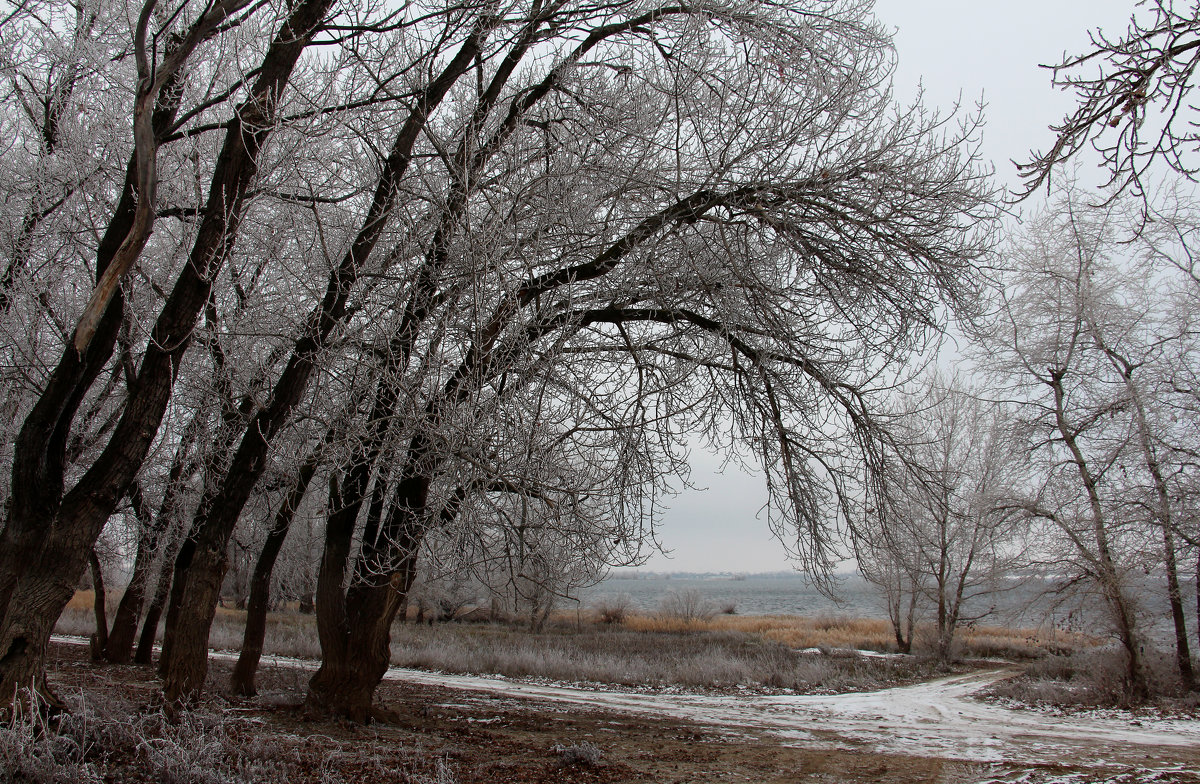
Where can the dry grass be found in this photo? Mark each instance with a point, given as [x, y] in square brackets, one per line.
[632, 657]
[1096, 677]
[841, 632]
[106, 737]
[642, 650]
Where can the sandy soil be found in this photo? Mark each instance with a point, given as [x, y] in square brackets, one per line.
[496, 730]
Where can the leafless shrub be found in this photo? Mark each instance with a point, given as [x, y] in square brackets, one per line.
[613, 610]
[199, 748]
[1089, 678]
[686, 605]
[729, 608]
[99, 735]
[585, 754]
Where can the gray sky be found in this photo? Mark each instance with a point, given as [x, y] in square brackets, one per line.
[960, 52]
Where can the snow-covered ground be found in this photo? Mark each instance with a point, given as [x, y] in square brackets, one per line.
[938, 718]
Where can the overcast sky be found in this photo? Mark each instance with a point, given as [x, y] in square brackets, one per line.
[961, 52]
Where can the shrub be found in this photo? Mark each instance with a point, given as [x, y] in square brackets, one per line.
[585, 754]
[32, 750]
[686, 605]
[1088, 678]
[613, 610]
[95, 739]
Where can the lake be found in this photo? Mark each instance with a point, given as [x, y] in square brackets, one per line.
[1026, 603]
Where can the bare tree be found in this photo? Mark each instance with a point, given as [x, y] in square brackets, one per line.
[48, 532]
[943, 536]
[681, 257]
[545, 242]
[1084, 342]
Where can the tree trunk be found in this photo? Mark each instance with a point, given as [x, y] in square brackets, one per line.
[349, 674]
[39, 463]
[260, 583]
[910, 620]
[180, 566]
[1183, 656]
[38, 469]
[186, 657]
[35, 603]
[100, 638]
[145, 647]
[119, 647]
[1106, 570]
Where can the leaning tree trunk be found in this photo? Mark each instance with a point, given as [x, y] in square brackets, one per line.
[1183, 656]
[124, 628]
[100, 638]
[349, 674]
[118, 648]
[1106, 569]
[355, 627]
[32, 604]
[242, 681]
[185, 660]
[166, 570]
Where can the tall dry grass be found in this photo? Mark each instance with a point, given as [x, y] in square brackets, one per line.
[642, 650]
[842, 632]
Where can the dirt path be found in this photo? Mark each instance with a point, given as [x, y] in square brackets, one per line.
[938, 719]
[904, 730]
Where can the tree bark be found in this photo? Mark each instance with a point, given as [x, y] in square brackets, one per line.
[124, 628]
[118, 648]
[1183, 656]
[355, 625]
[1106, 570]
[100, 638]
[349, 674]
[145, 647]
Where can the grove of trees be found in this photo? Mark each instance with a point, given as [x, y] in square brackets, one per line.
[328, 295]
[474, 270]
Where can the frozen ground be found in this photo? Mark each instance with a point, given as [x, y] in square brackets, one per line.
[938, 718]
[990, 743]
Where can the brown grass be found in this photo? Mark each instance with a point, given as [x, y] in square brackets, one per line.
[656, 650]
[840, 632]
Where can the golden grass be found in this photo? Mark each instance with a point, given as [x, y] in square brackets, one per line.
[82, 600]
[792, 630]
[871, 634]
[295, 633]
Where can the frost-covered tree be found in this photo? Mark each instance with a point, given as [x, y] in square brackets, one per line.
[942, 535]
[1087, 340]
[530, 247]
[1134, 102]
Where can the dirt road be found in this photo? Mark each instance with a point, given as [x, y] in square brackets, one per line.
[938, 718]
[930, 732]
